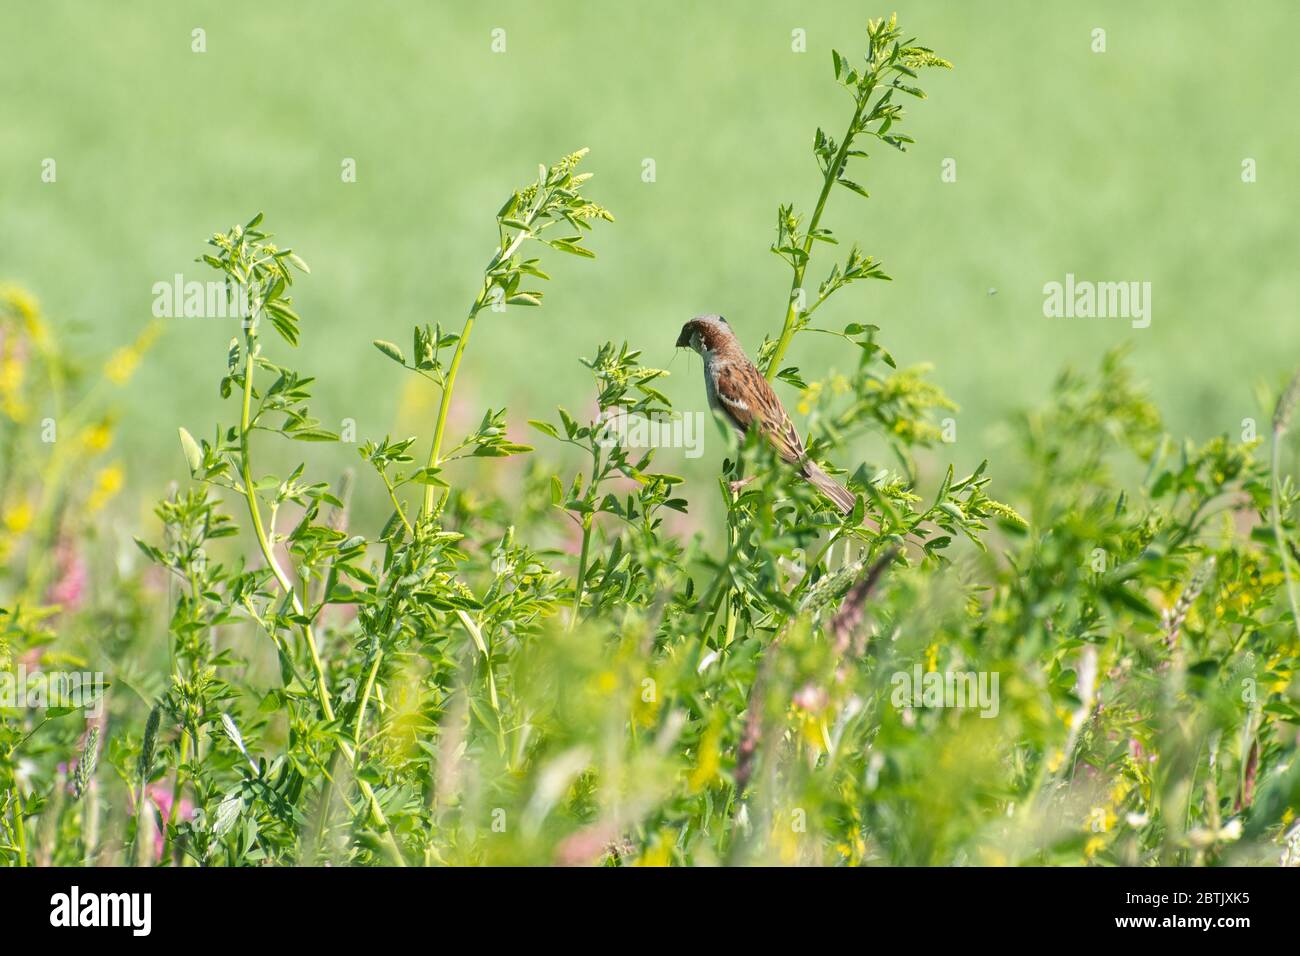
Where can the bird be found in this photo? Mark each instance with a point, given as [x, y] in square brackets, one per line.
[738, 392]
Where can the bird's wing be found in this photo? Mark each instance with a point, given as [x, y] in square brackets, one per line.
[749, 401]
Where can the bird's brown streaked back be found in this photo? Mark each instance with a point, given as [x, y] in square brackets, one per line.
[738, 390]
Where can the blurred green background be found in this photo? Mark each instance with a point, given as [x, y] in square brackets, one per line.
[1124, 165]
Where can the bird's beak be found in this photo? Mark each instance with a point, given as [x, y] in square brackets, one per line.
[684, 340]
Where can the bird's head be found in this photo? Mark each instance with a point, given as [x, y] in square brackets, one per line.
[705, 333]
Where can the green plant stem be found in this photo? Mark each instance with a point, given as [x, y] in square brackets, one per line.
[20, 831]
[580, 583]
[136, 845]
[445, 405]
[322, 691]
[503, 254]
[730, 594]
[392, 496]
[365, 697]
[264, 544]
[832, 173]
[1276, 515]
[581, 580]
[90, 836]
[177, 787]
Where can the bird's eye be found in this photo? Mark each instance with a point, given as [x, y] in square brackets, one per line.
[724, 321]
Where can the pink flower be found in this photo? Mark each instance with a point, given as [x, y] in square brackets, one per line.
[69, 588]
[811, 698]
[161, 797]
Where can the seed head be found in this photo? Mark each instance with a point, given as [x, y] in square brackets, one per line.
[150, 742]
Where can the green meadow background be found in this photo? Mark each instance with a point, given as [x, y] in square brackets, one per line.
[1124, 165]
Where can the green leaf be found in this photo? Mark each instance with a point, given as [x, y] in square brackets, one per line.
[193, 454]
[850, 184]
[570, 246]
[545, 428]
[312, 434]
[427, 476]
[791, 377]
[391, 350]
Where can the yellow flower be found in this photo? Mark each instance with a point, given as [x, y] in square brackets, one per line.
[12, 373]
[21, 301]
[121, 365]
[18, 517]
[658, 855]
[808, 397]
[1101, 819]
[97, 437]
[706, 768]
[1094, 846]
[23, 306]
[107, 484]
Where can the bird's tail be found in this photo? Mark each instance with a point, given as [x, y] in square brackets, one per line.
[840, 496]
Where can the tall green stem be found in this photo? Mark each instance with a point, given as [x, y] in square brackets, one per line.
[365, 697]
[832, 173]
[259, 530]
[1284, 554]
[503, 254]
[445, 405]
[264, 544]
[20, 827]
[579, 585]
[177, 790]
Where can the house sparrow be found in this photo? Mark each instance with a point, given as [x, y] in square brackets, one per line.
[740, 393]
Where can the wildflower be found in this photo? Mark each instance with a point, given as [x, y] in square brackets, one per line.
[809, 398]
[97, 437]
[107, 484]
[706, 768]
[69, 587]
[13, 374]
[121, 365]
[18, 517]
[811, 698]
[161, 797]
[659, 854]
